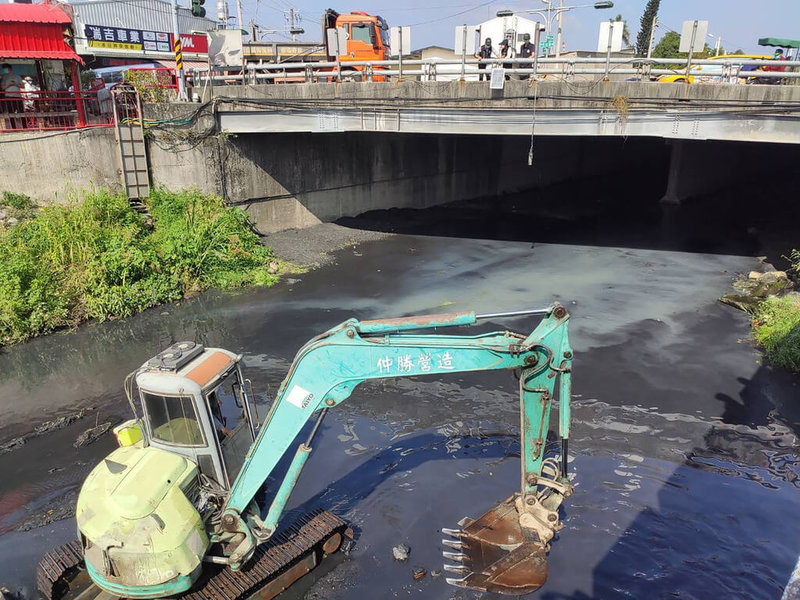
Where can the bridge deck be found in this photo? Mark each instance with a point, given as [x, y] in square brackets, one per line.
[752, 113]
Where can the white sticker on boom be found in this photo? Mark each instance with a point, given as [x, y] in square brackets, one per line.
[300, 397]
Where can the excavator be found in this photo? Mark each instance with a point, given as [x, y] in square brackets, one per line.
[175, 510]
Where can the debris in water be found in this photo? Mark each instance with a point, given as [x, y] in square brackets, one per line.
[92, 435]
[60, 422]
[6, 594]
[12, 445]
[401, 552]
[418, 573]
[57, 509]
[436, 573]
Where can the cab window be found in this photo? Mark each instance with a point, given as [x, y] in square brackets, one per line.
[361, 33]
[172, 419]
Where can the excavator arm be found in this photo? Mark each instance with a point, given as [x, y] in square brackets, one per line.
[329, 367]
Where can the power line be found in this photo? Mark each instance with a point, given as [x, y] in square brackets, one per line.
[476, 7]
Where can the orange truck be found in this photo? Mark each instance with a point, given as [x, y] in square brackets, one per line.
[367, 39]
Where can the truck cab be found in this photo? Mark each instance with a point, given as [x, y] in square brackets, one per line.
[367, 37]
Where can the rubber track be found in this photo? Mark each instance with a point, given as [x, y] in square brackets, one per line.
[273, 557]
[55, 564]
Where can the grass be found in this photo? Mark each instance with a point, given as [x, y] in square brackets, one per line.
[96, 258]
[776, 326]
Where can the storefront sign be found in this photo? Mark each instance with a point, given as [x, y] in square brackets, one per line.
[119, 38]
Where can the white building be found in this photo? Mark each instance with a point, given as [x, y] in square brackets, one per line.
[511, 28]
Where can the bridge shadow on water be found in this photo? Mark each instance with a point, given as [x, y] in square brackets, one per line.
[623, 210]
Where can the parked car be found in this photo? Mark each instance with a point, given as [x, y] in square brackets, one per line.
[712, 73]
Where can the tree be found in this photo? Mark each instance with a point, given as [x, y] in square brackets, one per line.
[646, 27]
[667, 47]
[626, 33]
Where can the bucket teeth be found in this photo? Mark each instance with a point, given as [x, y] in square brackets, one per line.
[456, 556]
[456, 569]
[452, 544]
[456, 533]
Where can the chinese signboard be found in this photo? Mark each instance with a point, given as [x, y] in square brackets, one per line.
[120, 38]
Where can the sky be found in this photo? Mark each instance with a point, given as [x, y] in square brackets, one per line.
[433, 22]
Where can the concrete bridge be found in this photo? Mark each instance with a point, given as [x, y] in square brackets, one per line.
[749, 113]
[297, 155]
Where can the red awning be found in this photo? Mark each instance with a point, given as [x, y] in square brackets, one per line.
[34, 31]
[33, 13]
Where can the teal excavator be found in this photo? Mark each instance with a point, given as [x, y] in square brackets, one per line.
[172, 512]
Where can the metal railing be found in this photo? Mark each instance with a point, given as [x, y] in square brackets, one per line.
[729, 70]
[48, 111]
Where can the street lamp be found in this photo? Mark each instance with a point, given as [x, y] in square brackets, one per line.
[718, 43]
[557, 13]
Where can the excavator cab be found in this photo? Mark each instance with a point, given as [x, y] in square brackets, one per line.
[194, 404]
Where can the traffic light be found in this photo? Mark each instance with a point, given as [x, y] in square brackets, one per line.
[197, 8]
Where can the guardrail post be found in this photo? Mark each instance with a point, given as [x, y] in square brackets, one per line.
[368, 72]
[309, 72]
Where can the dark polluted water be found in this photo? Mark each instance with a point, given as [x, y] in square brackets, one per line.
[683, 443]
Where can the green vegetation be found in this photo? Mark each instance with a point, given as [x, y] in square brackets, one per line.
[19, 202]
[152, 85]
[646, 26]
[667, 47]
[98, 258]
[776, 326]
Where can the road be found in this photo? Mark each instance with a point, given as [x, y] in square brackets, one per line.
[683, 441]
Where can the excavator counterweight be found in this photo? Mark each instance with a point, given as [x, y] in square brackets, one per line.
[172, 512]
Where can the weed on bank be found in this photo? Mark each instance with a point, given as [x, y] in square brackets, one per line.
[97, 258]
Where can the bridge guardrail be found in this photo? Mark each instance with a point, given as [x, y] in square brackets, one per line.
[725, 71]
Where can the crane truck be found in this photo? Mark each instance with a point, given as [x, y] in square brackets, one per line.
[172, 511]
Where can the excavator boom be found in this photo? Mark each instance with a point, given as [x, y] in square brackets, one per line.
[327, 370]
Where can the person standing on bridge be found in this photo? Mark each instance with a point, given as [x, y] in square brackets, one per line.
[485, 52]
[506, 52]
[526, 50]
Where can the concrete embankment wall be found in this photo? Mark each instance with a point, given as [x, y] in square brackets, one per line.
[49, 167]
[297, 180]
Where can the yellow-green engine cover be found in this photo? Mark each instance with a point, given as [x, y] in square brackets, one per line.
[137, 525]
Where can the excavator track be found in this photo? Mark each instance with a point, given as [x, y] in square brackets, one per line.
[288, 555]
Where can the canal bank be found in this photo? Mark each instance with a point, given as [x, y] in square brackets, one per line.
[679, 428]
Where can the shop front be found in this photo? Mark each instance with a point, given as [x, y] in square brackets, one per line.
[40, 86]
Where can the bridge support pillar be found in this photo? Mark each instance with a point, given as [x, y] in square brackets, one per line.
[702, 167]
[674, 193]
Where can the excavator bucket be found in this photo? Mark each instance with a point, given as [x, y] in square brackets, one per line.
[495, 554]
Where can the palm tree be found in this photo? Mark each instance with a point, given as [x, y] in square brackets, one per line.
[626, 33]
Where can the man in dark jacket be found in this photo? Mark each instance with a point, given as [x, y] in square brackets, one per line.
[526, 50]
[484, 52]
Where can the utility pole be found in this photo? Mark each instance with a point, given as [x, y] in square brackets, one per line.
[238, 14]
[719, 45]
[291, 23]
[558, 36]
[652, 36]
[176, 37]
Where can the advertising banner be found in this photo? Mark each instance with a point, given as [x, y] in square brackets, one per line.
[120, 38]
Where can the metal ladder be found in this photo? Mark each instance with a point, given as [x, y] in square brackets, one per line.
[130, 143]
